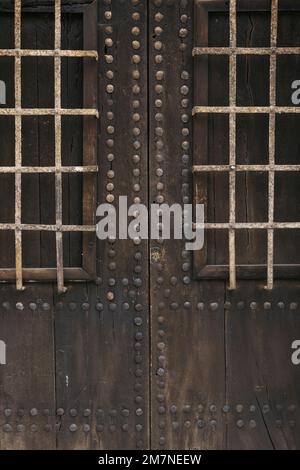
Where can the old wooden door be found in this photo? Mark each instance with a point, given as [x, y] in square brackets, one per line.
[123, 344]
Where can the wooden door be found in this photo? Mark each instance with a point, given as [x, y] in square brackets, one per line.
[150, 346]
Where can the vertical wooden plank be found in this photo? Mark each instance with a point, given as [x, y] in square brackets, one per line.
[38, 141]
[187, 321]
[7, 127]
[123, 156]
[263, 384]
[72, 135]
[90, 129]
[102, 329]
[94, 359]
[27, 391]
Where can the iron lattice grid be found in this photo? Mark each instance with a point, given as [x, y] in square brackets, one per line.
[232, 51]
[58, 169]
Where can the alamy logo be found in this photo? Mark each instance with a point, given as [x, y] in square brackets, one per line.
[2, 92]
[296, 93]
[296, 354]
[161, 222]
[2, 353]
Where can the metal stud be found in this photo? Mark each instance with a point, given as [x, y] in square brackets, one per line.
[200, 306]
[158, 17]
[201, 423]
[33, 412]
[267, 305]
[7, 412]
[73, 427]
[7, 428]
[266, 408]
[213, 306]
[252, 424]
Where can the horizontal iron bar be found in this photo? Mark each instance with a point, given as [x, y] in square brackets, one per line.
[248, 225]
[48, 228]
[49, 169]
[246, 109]
[48, 112]
[44, 274]
[245, 50]
[47, 53]
[224, 168]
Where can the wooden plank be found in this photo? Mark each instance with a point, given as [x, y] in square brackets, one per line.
[188, 372]
[95, 379]
[123, 159]
[90, 128]
[7, 127]
[27, 392]
[72, 140]
[263, 384]
[103, 347]
[30, 143]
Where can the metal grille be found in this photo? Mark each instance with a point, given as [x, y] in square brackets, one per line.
[58, 169]
[232, 51]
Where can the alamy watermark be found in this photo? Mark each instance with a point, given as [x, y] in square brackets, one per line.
[296, 94]
[2, 92]
[162, 221]
[296, 354]
[2, 353]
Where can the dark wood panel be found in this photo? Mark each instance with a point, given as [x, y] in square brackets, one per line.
[102, 330]
[27, 381]
[261, 379]
[187, 337]
[95, 375]
[123, 156]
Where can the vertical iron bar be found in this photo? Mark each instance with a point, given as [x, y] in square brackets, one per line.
[272, 122]
[18, 146]
[58, 159]
[232, 145]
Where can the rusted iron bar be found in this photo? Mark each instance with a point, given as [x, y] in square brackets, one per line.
[58, 169]
[48, 112]
[48, 169]
[255, 168]
[271, 168]
[58, 157]
[232, 145]
[48, 228]
[18, 146]
[272, 123]
[47, 53]
[246, 109]
[246, 51]
[248, 225]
